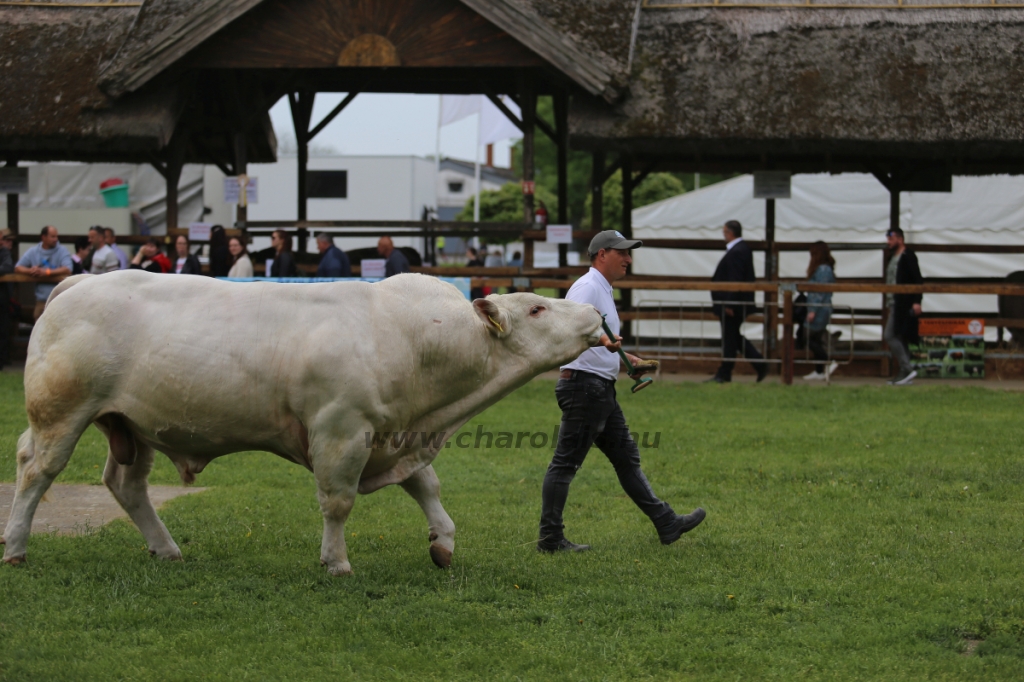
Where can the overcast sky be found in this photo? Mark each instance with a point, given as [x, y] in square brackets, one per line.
[387, 125]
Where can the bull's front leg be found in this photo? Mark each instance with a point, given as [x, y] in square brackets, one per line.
[337, 471]
[425, 488]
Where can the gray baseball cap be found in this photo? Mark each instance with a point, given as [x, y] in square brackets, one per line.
[611, 239]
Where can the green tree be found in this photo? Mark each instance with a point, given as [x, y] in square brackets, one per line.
[655, 187]
[545, 164]
[505, 205]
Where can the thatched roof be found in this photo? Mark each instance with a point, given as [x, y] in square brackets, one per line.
[114, 83]
[49, 100]
[734, 87]
[757, 83]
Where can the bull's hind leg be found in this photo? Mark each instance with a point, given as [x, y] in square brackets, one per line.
[129, 485]
[41, 456]
[425, 488]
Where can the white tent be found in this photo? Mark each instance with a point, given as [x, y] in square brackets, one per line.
[838, 208]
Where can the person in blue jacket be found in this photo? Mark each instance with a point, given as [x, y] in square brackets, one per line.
[333, 261]
[821, 270]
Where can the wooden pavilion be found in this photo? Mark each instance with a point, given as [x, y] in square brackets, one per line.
[912, 91]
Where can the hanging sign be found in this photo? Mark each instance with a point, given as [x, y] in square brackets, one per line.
[559, 234]
[13, 180]
[772, 184]
[235, 193]
[199, 232]
[372, 267]
[949, 348]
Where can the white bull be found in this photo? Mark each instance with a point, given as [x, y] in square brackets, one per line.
[198, 368]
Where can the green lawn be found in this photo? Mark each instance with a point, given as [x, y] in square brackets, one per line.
[853, 533]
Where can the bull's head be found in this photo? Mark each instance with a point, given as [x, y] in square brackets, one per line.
[545, 332]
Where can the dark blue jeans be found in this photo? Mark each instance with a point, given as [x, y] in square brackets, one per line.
[591, 416]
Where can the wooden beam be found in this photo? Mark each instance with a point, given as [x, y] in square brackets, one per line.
[301, 104]
[505, 110]
[13, 207]
[597, 178]
[241, 168]
[561, 102]
[330, 117]
[612, 169]
[642, 175]
[529, 109]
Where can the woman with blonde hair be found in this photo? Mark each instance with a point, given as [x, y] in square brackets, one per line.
[821, 270]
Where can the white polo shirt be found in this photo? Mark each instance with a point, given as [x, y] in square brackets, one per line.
[594, 289]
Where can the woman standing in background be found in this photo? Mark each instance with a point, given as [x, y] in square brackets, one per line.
[241, 264]
[821, 270]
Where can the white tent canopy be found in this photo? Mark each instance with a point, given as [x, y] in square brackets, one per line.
[851, 208]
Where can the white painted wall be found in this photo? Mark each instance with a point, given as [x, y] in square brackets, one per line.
[379, 188]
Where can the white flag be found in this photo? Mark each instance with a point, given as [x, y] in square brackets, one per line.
[494, 125]
[457, 107]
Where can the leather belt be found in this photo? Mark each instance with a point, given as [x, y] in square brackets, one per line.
[566, 374]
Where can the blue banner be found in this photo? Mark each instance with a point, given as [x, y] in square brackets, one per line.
[460, 283]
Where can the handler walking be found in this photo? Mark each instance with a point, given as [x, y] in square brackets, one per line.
[591, 415]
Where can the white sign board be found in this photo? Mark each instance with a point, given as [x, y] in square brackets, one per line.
[199, 232]
[13, 180]
[559, 234]
[772, 184]
[372, 267]
[233, 195]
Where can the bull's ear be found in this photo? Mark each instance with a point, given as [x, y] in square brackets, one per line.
[494, 317]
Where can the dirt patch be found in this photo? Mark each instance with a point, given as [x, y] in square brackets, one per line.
[969, 646]
[77, 509]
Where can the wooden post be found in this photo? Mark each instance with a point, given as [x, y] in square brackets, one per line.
[562, 130]
[626, 295]
[241, 168]
[12, 210]
[597, 192]
[771, 274]
[173, 177]
[627, 197]
[787, 337]
[529, 111]
[894, 221]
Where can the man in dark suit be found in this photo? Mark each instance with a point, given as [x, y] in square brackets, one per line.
[732, 307]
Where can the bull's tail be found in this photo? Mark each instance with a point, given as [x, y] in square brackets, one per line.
[65, 285]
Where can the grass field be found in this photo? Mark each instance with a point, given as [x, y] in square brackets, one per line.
[853, 533]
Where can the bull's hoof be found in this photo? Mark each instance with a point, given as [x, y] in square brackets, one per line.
[173, 555]
[337, 568]
[15, 560]
[441, 556]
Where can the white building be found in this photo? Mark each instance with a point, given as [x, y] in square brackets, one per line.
[341, 188]
[456, 184]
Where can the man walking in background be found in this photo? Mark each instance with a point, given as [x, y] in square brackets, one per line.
[103, 257]
[737, 265]
[45, 259]
[591, 414]
[904, 309]
[333, 261]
